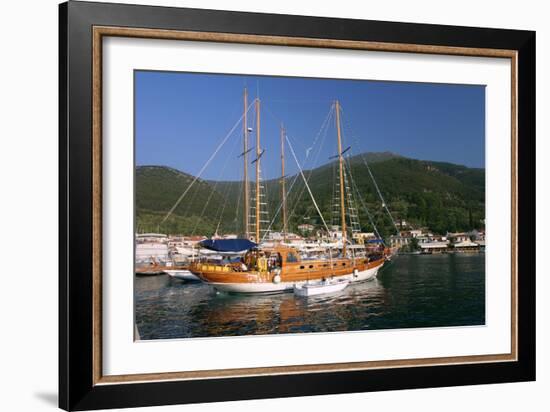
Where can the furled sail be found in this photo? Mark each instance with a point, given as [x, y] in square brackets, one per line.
[228, 245]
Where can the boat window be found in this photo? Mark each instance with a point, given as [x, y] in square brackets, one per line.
[291, 257]
[311, 266]
[302, 267]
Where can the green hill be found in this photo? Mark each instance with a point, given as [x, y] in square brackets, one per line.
[441, 196]
[157, 190]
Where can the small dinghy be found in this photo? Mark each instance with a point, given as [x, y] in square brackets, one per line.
[320, 288]
[182, 274]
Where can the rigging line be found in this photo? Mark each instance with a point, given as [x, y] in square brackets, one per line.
[195, 193]
[324, 127]
[295, 179]
[191, 200]
[335, 201]
[220, 216]
[278, 210]
[241, 188]
[205, 205]
[361, 200]
[298, 101]
[312, 198]
[384, 204]
[263, 183]
[305, 182]
[214, 187]
[310, 171]
[268, 110]
[276, 118]
[225, 201]
[205, 166]
[281, 205]
[350, 199]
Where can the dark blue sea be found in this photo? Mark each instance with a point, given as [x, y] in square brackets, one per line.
[411, 291]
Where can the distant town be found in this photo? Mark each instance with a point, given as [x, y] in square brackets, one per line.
[409, 241]
[423, 241]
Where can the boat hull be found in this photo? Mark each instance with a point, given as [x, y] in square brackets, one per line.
[321, 289]
[263, 287]
[149, 272]
[182, 274]
[260, 287]
[363, 275]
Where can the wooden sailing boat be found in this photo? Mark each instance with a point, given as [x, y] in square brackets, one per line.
[279, 268]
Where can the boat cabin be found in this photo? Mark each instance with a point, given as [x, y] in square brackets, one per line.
[266, 260]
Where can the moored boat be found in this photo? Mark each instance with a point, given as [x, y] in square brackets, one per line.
[280, 268]
[320, 288]
[150, 269]
[181, 273]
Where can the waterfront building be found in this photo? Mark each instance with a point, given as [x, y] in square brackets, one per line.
[306, 228]
[431, 244]
[398, 241]
[461, 242]
[151, 247]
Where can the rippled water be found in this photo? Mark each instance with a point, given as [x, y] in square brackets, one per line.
[410, 291]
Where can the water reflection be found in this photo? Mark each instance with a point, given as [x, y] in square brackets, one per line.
[411, 291]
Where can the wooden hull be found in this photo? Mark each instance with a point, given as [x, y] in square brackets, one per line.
[228, 279]
[154, 271]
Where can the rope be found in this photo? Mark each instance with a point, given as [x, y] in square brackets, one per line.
[307, 151]
[214, 188]
[307, 185]
[280, 207]
[223, 207]
[204, 166]
[323, 125]
[354, 185]
[384, 204]
[241, 189]
[311, 195]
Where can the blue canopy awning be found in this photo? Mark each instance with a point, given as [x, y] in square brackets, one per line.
[228, 245]
[375, 241]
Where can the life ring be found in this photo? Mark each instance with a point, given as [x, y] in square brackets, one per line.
[355, 273]
[277, 278]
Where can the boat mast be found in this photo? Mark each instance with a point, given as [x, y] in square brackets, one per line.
[283, 190]
[341, 161]
[258, 154]
[245, 156]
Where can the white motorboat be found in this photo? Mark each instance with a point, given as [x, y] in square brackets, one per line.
[320, 288]
[182, 274]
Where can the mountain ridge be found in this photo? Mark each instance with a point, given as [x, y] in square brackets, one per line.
[440, 195]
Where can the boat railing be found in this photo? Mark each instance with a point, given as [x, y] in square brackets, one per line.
[214, 267]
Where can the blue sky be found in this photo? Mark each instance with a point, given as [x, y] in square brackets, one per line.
[180, 119]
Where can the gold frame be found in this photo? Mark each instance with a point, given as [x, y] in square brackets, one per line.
[101, 31]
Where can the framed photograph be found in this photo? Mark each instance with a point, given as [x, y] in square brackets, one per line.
[256, 206]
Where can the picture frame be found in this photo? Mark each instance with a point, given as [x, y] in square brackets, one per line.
[82, 28]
